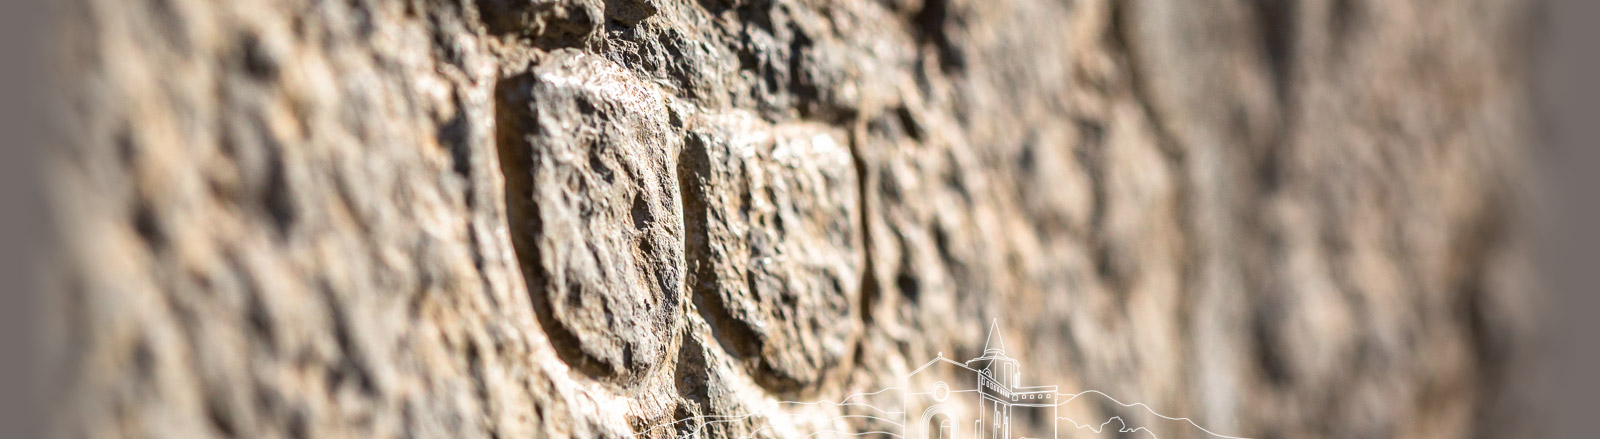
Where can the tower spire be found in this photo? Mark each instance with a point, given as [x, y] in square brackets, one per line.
[995, 344]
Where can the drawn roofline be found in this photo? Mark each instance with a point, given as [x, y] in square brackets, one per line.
[937, 359]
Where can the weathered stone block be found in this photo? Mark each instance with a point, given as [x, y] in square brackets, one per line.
[774, 218]
[592, 195]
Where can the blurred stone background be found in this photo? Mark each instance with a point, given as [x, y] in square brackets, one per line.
[586, 218]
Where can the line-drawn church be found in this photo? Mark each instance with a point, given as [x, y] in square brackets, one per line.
[986, 400]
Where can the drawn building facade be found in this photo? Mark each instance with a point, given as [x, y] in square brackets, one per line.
[984, 400]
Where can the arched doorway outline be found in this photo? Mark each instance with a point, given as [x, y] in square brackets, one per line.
[926, 431]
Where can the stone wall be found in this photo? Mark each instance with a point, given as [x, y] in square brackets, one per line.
[592, 218]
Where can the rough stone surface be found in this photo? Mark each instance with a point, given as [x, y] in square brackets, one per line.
[590, 168]
[595, 218]
[774, 218]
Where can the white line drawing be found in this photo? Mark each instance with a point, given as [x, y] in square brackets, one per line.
[978, 408]
[1102, 427]
[1147, 408]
